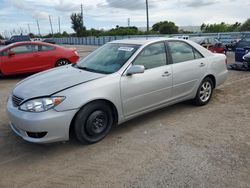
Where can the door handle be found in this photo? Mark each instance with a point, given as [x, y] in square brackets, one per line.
[202, 64]
[165, 74]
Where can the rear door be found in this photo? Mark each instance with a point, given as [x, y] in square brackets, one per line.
[140, 92]
[47, 56]
[188, 68]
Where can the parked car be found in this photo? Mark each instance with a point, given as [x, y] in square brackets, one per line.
[209, 43]
[26, 57]
[49, 40]
[246, 60]
[230, 46]
[241, 66]
[17, 38]
[119, 81]
[242, 47]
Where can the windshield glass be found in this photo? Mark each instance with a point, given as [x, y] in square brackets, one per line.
[108, 59]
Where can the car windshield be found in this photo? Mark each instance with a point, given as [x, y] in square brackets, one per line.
[108, 59]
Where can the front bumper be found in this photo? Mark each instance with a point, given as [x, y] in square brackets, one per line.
[55, 124]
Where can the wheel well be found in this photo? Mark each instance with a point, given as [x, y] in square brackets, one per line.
[1, 74]
[212, 78]
[109, 103]
[63, 59]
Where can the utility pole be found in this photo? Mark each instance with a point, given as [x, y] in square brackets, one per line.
[38, 27]
[128, 22]
[29, 28]
[50, 25]
[59, 24]
[147, 15]
[82, 15]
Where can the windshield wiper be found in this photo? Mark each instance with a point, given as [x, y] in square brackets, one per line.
[90, 70]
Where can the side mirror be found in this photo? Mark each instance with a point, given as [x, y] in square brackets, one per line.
[135, 69]
[10, 53]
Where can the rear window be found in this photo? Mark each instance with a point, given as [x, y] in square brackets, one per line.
[46, 48]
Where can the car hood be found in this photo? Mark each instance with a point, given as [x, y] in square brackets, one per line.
[52, 81]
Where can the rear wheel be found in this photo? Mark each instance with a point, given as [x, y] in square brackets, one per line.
[1, 74]
[93, 122]
[204, 92]
[62, 62]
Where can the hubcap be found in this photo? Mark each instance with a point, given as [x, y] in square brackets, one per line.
[205, 91]
[97, 122]
[62, 62]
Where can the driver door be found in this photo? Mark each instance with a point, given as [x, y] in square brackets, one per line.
[22, 59]
[152, 88]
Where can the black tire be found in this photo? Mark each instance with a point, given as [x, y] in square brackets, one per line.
[204, 92]
[1, 74]
[93, 122]
[62, 62]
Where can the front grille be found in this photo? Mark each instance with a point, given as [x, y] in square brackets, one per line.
[16, 100]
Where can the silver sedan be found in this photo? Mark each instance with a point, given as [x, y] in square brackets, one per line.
[117, 82]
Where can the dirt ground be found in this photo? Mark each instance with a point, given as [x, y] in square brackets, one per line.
[178, 146]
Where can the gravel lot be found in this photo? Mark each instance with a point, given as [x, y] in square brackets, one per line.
[179, 146]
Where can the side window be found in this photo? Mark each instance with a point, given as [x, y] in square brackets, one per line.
[197, 54]
[25, 48]
[46, 48]
[181, 51]
[152, 56]
[4, 53]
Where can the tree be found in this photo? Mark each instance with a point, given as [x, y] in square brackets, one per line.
[168, 28]
[165, 27]
[77, 24]
[221, 27]
[245, 26]
[1, 37]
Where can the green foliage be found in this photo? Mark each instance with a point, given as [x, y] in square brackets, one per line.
[77, 24]
[165, 27]
[245, 26]
[222, 27]
[1, 37]
[123, 31]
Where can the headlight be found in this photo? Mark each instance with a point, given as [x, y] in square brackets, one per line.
[41, 104]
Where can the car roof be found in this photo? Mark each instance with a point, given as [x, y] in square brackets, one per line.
[30, 42]
[26, 42]
[145, 40]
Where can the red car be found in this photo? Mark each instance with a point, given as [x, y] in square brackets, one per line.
[211, 44]
[28, 57]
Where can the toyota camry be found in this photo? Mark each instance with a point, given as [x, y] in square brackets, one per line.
[117, 82]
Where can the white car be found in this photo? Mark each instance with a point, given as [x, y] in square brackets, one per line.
[117, 82]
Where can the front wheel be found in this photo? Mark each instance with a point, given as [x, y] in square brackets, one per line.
[204, 92]
[62, 62]
[93, 122]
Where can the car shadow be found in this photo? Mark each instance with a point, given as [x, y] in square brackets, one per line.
[15, 77]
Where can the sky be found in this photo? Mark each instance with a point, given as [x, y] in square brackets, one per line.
[16, 15]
